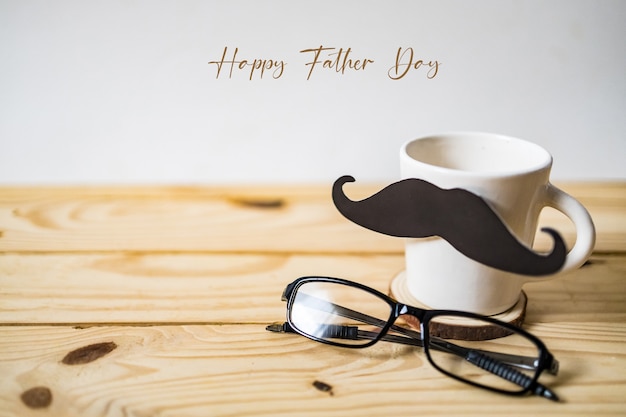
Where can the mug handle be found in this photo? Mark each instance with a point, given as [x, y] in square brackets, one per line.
[585, 229]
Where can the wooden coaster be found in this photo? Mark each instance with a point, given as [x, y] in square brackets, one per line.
[458, 329]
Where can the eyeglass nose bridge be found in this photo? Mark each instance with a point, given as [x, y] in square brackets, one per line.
[406, 309]
[402, 309]
[413, 316]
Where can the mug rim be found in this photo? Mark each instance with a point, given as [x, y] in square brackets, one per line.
[544, 159]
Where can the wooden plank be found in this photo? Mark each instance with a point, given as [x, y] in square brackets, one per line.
[242, 370]
[177, 219]
[154, 288]
[237, 219]
[233, 288]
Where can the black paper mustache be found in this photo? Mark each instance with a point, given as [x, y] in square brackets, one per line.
[416, 208]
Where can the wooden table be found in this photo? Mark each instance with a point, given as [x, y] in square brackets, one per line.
[154, 301]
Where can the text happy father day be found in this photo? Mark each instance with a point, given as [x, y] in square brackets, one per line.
[338, 60]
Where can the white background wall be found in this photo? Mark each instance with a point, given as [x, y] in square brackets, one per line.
[122, 92]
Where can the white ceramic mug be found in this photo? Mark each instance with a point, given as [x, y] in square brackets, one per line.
[512, 176]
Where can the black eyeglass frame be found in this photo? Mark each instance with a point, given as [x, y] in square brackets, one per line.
[545, 361]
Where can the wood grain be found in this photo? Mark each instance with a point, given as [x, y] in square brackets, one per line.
[166, 288]
[159, 297]
[242, 370]
[232, 288]
[244, 219]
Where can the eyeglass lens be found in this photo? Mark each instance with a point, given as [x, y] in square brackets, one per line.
[505, 363]
[338, 313]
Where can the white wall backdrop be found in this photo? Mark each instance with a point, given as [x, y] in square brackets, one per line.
[123, 92]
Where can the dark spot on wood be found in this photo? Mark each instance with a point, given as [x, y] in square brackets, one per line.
[323, 386]
[37, 397]
[1, 233]
[269, 203]
[589, 262]
[88, 353]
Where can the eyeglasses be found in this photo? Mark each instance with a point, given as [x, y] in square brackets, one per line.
[348, 314]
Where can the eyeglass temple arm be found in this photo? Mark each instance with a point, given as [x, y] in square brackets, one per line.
[348, 332]
[324, 305]
[484, 361]
[353, 333]
[490, 364]
[518, 361]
